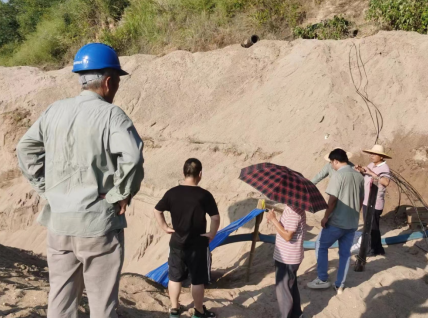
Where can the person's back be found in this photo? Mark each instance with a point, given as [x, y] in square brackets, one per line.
[348, 186]
[84, 156]
[82, 139]
[188, 206]
[346, 193]
[189, 253]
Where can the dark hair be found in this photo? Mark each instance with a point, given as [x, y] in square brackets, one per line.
[192, 168]
[339, 155]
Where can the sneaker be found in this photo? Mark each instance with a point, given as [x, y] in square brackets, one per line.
[339, 290]
[318, 284]
[209, 314]
[206, 314]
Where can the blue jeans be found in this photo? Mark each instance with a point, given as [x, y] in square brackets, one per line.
[327, 238]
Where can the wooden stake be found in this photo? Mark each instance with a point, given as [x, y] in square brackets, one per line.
[259, 219]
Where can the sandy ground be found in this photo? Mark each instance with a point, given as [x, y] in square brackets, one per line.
[284, 102]
[394, 285]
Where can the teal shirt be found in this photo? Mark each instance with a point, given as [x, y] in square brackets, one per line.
[78, 149]
[347, 185]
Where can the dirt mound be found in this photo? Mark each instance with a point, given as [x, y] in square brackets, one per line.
[284, 102]
[24, 289]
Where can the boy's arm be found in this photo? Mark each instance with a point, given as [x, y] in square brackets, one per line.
[215, 224]
[285, 234]
[160, 218]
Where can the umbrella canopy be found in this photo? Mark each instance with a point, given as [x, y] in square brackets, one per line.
[284, 185]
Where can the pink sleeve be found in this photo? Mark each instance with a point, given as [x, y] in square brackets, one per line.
[385, 172]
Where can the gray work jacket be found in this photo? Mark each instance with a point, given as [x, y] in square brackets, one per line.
[78, 149]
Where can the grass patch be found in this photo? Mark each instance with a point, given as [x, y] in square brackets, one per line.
[332, 29]
[277, 14]
[406, 15]
[151, 26]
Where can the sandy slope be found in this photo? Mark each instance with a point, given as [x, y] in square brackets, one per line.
[285, 102]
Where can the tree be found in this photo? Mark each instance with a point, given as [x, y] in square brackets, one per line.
[8, 24]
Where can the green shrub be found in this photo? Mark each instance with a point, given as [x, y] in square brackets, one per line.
[42, 47]
[331, 29]
[63, 28]
[406, 15]
[29, 13]
[8, 24]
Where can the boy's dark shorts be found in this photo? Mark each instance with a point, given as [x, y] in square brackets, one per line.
[195, 261]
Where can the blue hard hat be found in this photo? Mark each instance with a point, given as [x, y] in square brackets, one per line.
[96, 56]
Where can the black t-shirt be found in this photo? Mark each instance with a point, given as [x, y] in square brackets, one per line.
[188, 206]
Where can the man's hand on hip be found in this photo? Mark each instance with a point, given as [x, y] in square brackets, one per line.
[209, 235]
[324, 222]
[123, 204]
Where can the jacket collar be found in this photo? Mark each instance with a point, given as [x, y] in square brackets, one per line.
[91, 94]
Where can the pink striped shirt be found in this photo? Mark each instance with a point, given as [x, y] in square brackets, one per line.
[291, 253]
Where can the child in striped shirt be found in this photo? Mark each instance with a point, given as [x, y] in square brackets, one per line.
[288, 255]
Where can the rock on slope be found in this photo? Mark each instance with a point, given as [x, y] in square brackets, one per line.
[285, 102]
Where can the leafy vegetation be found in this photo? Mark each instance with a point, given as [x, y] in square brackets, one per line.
[332, 29]
[406, 15]
[8, 24]
[150, 26]
[48, 32]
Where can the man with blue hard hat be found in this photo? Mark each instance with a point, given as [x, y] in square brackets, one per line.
[84, 156]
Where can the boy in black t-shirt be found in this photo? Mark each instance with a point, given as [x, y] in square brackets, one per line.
[189, 250]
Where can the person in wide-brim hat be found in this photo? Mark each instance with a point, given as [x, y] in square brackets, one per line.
[327, 170]
[378, 150]
[378, 171]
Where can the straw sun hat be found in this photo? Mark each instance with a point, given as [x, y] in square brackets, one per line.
[349, 154]
[378, 150]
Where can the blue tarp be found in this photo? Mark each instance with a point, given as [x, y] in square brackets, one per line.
[160, 274]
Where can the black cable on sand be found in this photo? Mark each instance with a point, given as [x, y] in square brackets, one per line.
[377, 119]
[411, 193]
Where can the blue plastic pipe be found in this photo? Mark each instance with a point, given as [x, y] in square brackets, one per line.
[310, 245]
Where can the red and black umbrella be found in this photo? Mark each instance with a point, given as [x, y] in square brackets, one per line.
[284, 185]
